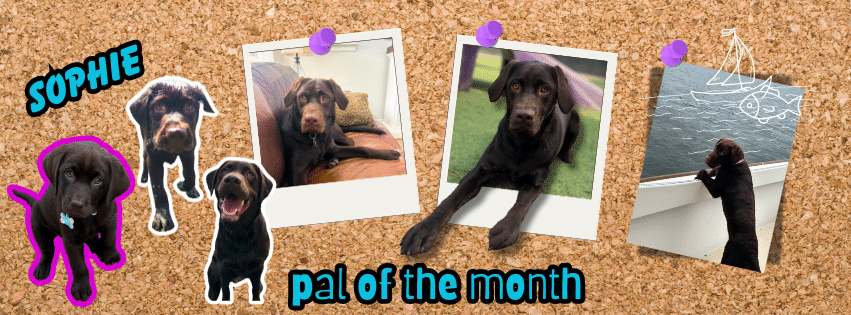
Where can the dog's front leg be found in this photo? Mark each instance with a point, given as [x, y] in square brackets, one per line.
[81, 290]
[187, 185]
[162, 208]
[256, 284]
[506, 231]
[143, 178]
[105, 247]
[214, 280]
[714, 186]
[422, 236]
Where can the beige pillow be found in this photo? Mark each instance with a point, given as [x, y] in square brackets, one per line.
[357, 112]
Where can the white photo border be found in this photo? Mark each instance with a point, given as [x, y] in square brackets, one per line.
[346, 200]
[550, 214]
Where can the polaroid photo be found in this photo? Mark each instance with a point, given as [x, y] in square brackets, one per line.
[366, 70]
[696, 108]
[569, 205]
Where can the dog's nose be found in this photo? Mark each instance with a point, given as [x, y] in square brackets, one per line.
[176, 133]
[311, 119]
[524, 115]
[232, 180]
[76, 203]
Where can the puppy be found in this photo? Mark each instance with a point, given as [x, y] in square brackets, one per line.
[84, 183]
[167, 114]
[310, 134]
[734, 185]
[242, 244]
[539, 126]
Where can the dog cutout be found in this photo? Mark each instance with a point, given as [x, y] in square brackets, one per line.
[242, 243]
[167, 114]
[77, 213]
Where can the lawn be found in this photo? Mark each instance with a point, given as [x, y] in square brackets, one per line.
[476, 121]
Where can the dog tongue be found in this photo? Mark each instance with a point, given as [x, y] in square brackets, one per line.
[231, 205]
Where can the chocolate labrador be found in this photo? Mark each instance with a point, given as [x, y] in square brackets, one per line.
[539, 126]
[167, 114]
[310, 133]
[242, 243]
[79, 205]
[734, 185]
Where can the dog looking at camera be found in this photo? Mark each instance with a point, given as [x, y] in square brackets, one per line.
[734, 185]
[167, 114]
[242, 243]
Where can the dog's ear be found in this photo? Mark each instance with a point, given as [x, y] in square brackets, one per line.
[565, 93]
[204, 99]
[339, 97]
[119, 181]
[210, 181]
[51, 163]
[497, 88]
[736, 154]
[266, 184]
[138, 108]
[289, 99]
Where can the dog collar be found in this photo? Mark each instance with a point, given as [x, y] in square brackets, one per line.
[313, 137]
[740, 161]
[65, 219]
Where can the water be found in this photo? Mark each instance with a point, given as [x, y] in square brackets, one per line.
[685, 129]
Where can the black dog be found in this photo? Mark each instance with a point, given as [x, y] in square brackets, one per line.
[532, 134]
[79, 206]
[734, 185]
[167, 113]
[242, 244]
[310, 132]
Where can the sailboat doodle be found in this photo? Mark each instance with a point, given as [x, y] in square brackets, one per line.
[761, 101]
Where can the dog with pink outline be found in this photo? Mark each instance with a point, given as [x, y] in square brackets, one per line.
[77, 212]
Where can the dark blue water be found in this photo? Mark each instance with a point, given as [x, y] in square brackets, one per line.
[685, 129]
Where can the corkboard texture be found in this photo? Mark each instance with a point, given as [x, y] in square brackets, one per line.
[200, 40]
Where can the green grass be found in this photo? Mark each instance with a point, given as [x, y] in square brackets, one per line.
[476, 121]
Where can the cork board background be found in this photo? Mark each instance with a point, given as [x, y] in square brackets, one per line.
[201, 41]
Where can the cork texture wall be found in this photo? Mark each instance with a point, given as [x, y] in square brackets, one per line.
[201, 41]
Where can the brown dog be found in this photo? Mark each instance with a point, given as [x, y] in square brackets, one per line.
[167, 113]
[310, 133]
[539, 126]
[734, 185]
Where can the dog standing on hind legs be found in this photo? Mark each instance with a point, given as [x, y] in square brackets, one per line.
[733, 183]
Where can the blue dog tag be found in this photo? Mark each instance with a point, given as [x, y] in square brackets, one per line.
[65, 219]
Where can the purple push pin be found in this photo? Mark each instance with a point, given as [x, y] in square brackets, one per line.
[320, 43]
[487, 34]
[673, 54]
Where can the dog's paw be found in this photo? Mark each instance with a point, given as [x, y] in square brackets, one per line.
[702, 175]
[162, 223]
[503, 234]
[421, 237]
[390, 154]
[42, 270]
[213, 294]
[332, 163]
[143, 179]
[81, 290]
[109, 257]
[191, 192]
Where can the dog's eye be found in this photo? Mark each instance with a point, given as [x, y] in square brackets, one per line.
[545, 89]
[323, 98]
[189, 108]
[249, 175]
[97, 181]
[69, 173]
[159, 107]
[302, 99]
[515, 86]
[721, 153]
